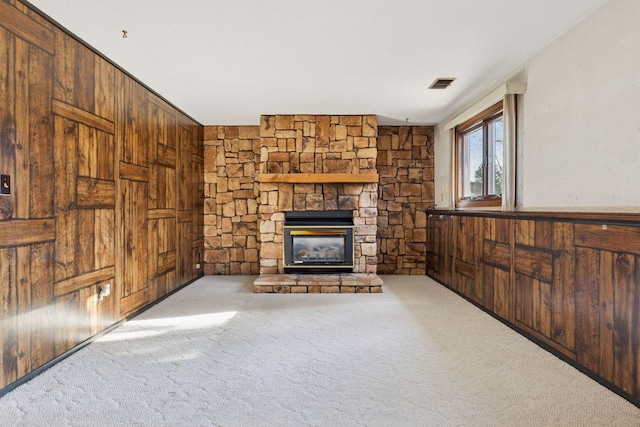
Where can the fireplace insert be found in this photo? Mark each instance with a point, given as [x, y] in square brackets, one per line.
[318, 242]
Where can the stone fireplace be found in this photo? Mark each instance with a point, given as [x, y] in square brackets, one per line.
[318, 163]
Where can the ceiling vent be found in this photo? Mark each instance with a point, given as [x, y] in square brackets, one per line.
[442, 83]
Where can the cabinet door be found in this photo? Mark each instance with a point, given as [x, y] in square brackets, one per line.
[439, 259]
[494, 292]
[544, 300]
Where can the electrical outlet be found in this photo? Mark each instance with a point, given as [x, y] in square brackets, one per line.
[5, 184]
[104, 291]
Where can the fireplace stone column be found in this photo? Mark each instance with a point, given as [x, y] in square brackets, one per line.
[297, 145]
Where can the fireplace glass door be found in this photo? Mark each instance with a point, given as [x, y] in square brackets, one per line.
[318, 247]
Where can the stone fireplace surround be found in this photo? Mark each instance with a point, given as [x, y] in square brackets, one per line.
[309, 147]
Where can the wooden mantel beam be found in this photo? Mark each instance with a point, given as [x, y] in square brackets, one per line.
[319, 178]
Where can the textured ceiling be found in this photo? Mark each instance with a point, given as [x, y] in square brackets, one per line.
[229, 61]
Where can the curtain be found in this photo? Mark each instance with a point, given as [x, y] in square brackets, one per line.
[509, 171]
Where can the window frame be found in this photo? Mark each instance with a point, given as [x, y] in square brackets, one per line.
[486, 201]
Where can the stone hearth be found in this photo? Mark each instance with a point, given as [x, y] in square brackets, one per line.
[318, 283]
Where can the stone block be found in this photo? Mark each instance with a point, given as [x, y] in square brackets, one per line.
[214, 256]
[314, 202]
[323, 124]
[248, 132]
[299, 289]
[348, 202]
[284, 121]
[338, 146]
[271, 251]
[370, 126]
[361, 142]
[245, 228]
[230, 132]
[351, 120]
[262, 289]
[229, 209]
[370, 153]
[227, 240]
[330, 289]
[368, 249]
[337, 166]
[267, 226]
[368, 200]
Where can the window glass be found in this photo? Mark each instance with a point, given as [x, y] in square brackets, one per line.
[473, 148]
[480, 160]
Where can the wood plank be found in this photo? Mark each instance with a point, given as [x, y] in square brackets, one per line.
[76, 114]
[96, 193]
[64, 68]
[161, 213]
[166, 262]
[41, 161]
[85, 79]
[23, 278]
[197, 158]
[66, 166]
[42, 314]
[319, 178]
[26, 28]
[85, 259]
[609, 238]
[104, 238]
[9, 304]
[524, 233]
[606, 316]
[185, 216]
[104, 88]
[134, 301]
[166, 156]
[533, 262]
[563, 292]
[135, 236]
[77, 283]
[501, 293]
[587, 285]
[465, 268]
[497, 255]
[133, 172]
[8, 109]
[26, 232]
[624, 298]
[22, 177]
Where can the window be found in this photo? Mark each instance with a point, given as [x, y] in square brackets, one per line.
[480, 160]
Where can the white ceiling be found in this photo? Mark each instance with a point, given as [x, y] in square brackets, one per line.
[229, 61]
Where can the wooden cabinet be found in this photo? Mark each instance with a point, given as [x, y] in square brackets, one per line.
[573, 283]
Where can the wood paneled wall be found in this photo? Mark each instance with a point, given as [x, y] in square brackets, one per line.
[107, 189]
[572, 283]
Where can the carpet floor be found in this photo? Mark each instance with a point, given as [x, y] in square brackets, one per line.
[215, 353]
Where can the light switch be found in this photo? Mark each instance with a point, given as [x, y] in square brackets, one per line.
[5, 184]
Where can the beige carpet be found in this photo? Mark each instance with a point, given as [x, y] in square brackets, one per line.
[217, 354]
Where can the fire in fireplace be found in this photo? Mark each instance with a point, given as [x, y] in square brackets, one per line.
[318, 242]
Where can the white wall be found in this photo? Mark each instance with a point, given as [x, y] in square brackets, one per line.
[579, 121]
